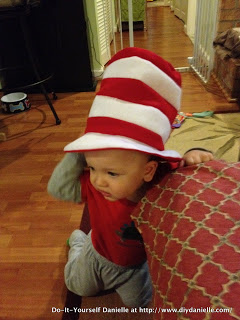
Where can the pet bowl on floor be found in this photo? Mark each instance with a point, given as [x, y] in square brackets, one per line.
[15, 102]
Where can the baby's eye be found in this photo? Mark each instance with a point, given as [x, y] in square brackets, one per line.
[112, 174]
[91, 168]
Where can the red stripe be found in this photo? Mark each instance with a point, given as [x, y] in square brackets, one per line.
[112, 126]
[158, 61]
[136, 91]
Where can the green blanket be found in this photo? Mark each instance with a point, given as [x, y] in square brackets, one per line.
[220, 134]
[138, 7]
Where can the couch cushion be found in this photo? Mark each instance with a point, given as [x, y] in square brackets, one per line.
[190, 223]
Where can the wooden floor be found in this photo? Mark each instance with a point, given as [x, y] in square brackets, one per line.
[33, 226]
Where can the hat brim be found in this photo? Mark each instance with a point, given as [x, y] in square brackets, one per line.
[97, 141]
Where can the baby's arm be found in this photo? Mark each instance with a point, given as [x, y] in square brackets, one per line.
[195, 156]
[64, 183]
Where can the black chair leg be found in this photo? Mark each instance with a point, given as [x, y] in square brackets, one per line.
[58, 121]
[34, 65]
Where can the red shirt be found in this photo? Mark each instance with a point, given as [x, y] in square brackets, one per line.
[113, 233]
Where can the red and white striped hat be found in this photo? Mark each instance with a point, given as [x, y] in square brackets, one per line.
[138, 100]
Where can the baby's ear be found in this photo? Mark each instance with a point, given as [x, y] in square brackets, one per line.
[150, 169]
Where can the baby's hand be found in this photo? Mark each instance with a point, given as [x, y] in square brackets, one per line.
[196, 156]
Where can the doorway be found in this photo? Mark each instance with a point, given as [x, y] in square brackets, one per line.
[164, 34]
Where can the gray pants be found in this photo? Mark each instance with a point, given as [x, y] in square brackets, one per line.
[87, 273]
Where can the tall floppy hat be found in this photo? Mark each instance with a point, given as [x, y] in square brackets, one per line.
[138, 100]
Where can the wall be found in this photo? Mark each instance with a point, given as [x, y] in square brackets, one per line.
[189, 21]
[191, 18]
[180, 9]
[229, 15]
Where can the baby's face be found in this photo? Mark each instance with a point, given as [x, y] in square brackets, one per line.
[118, 174]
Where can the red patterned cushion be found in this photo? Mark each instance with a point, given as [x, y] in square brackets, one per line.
[190, 223]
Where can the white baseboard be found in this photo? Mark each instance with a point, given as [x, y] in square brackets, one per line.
[97, 73]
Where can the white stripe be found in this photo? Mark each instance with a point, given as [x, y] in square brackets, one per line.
[148, 73]
[145, 116]
[98, 141]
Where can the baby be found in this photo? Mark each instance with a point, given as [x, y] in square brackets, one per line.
[123, 151]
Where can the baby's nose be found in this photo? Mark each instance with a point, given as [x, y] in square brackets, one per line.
[100, 181]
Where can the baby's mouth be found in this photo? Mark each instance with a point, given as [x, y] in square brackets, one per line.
[105, 194]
